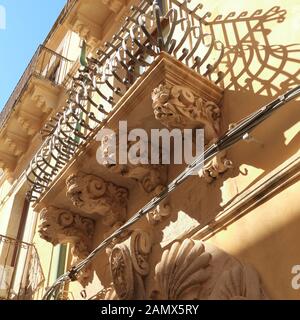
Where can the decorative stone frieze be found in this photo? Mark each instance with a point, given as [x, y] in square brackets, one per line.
[94, 195]
[129, 265]
[178, 107]
[59, 226]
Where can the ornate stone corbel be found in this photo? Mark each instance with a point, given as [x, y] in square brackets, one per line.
[159, 213]
[29, 122]
[87, 29]
[178, 107]
[114, 5]
[41, 103]
[16, 144]
[7, 161]
[59, 226]
[149, 176]
[129, 265]
[94, 195]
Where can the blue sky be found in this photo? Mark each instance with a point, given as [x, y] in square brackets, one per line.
[27, 25]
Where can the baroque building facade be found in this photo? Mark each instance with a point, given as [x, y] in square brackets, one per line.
[229, 232]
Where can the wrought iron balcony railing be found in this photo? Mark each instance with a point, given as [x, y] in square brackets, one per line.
[104, 79]
[21, 274]
[45, 64]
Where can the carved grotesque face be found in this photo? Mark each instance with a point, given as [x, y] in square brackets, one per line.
[171, 105]
[167, 114]
[163, 110]
[74, 190]
[47, 229]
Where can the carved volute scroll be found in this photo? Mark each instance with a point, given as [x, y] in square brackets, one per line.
[129, 265]
[178, 107]
[59, 226]
[94, 195]
[218, 165]
[122, 272]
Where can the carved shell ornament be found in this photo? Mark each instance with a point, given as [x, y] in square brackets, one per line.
[181, 270]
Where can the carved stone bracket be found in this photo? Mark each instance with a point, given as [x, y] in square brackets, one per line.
[16, 144]
[43, 96]
[159, 213]
[129, 265]
[178, 107]
[94, 195]
[29, 122]
[7, 161]
[87, 29]
[149, 176]
[59, 226]
[114, 5]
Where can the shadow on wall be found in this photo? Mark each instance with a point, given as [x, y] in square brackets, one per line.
[256, 71]
[251, 62]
